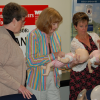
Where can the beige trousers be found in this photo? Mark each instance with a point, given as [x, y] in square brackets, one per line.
[51, 92]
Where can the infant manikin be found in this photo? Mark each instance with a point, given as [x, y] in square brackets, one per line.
[93, 57]
[69, 58]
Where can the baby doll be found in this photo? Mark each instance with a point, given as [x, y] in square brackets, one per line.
[69, 57]
[93, 57]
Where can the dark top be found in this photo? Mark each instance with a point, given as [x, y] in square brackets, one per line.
[12, 35]
[49, 48]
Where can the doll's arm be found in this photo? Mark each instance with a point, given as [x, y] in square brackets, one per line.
[48, 66]
[63, 60]
[89, 66]
[90, 62]
[43, 67]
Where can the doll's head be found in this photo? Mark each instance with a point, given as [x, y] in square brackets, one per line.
[95, 94]
[83, 53]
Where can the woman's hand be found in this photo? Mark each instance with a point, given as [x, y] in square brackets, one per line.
[25, 92]
[75, 61]
[97, 63]
[59, 53]
[98, 41]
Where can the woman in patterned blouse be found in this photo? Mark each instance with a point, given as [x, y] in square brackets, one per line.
[80, 77]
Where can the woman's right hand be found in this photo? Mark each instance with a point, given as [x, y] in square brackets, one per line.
[59, 53]
[76, 59]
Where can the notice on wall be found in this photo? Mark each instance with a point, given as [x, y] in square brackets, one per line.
[33, 13]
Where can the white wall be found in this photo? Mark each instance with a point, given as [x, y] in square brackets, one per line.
[63, 6]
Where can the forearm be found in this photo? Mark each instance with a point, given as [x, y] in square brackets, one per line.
[72, 65]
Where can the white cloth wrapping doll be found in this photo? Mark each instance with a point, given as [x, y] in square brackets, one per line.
[93, 57]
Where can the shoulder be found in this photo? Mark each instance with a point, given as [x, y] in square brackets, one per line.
[4, 35]
[56, 35]
[74, 41]
[5, 42]
[36, 33]
[95, 37]
[75, 44]
[55, 32]
[93, 34]
[33, 34]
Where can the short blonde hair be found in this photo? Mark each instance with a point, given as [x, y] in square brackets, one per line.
[46, 18]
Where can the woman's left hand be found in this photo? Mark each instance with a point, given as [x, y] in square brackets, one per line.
[75, 61]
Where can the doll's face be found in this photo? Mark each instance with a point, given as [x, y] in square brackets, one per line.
[83, 54]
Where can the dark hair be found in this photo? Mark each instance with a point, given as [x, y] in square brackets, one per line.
[13, 10]
[80, 16]
[46, 18]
